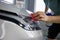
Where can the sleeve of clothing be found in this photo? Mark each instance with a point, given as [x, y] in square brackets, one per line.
[53, 31]
[54, 5]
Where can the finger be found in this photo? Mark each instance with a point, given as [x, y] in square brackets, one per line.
[37, 13]
[34, 15]
[38, 18]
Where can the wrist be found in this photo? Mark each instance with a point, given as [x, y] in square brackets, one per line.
[49, 18]
[46, 18]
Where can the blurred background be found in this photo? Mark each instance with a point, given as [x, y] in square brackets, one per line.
[33, 6]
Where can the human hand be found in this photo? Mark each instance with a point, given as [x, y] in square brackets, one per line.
[40, 16]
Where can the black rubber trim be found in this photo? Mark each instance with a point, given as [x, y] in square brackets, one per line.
[9, 19]
[7, 12]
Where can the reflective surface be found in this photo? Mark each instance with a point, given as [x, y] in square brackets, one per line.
[12, 31]
[32, 25]
[15, 32]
